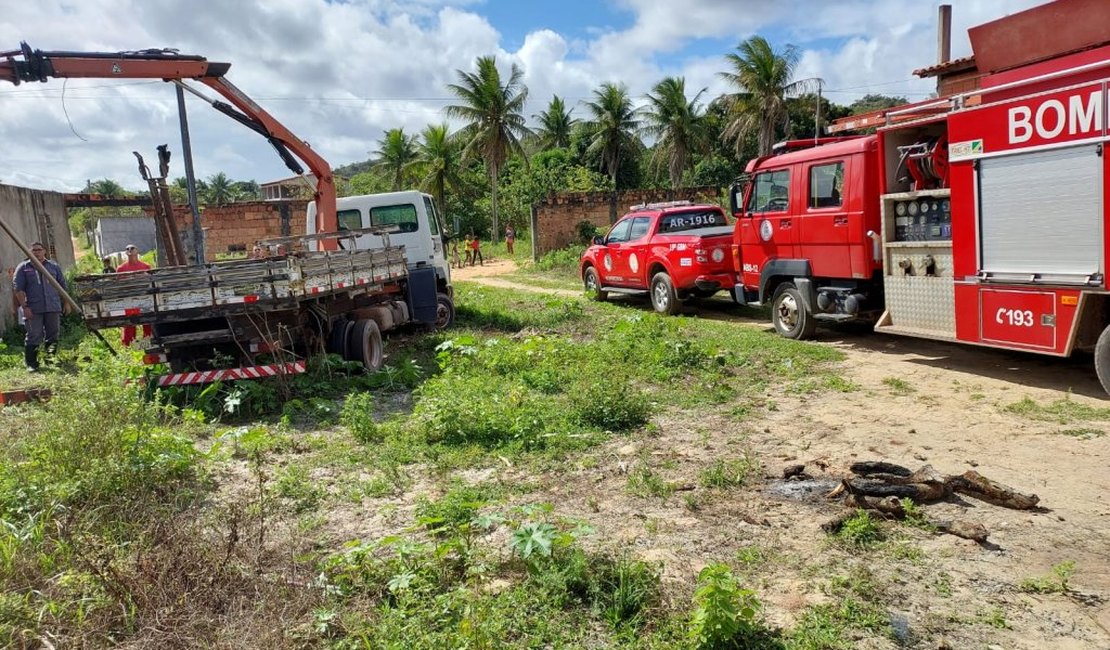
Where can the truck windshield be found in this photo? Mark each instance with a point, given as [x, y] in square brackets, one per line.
[771, 192]
[690, 221]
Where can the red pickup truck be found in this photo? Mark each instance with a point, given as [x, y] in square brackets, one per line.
[673, 251]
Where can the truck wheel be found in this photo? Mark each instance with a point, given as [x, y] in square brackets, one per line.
[1102, 359]
[592, 284]
[365, 344]
[337, 339]
[663, 296]
[789, 314]
[445, 311]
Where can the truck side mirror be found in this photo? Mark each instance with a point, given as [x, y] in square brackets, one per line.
[733, 202]
[598, 240]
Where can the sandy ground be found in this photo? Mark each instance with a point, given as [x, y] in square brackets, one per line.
[914, 402]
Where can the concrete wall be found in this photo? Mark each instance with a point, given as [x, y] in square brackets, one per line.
[113, 234]
[556, 218]
[33, 215]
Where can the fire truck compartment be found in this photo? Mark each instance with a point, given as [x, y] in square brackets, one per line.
[1019, 241]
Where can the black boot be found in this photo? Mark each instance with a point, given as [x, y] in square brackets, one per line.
[31, 357]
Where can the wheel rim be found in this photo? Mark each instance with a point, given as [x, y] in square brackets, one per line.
[443, 315]
[591, 282]
[788, 311]
[662, 296]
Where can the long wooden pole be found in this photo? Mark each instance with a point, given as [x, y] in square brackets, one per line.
[52, 280]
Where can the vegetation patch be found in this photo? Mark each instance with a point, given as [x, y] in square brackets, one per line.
[1062, 411]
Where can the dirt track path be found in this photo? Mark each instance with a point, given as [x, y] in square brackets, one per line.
[911, 402]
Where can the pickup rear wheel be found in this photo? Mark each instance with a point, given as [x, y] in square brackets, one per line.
[663, 297]
[1102, 359]
[364, 344]
[789, 313]
[592, 284]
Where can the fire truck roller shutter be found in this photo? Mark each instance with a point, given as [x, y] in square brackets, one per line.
[1041, 212]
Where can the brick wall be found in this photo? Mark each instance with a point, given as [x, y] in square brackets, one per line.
[557, 216]
[228, 228]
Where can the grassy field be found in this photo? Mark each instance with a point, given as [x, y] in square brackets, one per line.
[404, 509]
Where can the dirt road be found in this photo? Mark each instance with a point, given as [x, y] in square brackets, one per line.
[910, 402]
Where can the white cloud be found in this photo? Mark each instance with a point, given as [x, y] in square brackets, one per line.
[338, 74]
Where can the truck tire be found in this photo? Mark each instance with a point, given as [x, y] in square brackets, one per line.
[1102, 359]
[663, 297]
[789, 313]
[592, 284]
[445, 311]
[364, 344]
[337, 339]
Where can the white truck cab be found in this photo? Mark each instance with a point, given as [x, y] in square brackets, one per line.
[413, 213]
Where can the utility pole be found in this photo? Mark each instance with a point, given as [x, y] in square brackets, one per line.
[817, 119]
[190, 179]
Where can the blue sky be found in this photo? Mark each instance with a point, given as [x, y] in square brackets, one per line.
[339, 74]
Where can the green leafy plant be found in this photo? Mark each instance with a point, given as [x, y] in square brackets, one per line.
[358, 416]
[860, 530]
[723, 610]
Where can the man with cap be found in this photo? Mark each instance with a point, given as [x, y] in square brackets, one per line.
[133, 263]
[40, 304]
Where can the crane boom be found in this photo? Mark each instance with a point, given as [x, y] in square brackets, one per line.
[25, 64]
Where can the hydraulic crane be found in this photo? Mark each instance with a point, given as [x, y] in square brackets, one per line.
[25, 64]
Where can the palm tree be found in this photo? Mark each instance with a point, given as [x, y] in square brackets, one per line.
[395, 151]
[763, 78]
[555, 125]
[678, 125]
[612, 132]
[107, 188]
[219, 189]
[437, 163]
[495, 124]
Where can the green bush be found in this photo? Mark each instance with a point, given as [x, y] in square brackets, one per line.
[358, 417]
[563, 260]
[723, 610]
[611, 406]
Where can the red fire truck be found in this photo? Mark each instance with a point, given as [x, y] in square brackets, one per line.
[978, 217]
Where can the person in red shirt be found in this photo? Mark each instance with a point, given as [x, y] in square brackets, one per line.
[476, 252]
[133, 263]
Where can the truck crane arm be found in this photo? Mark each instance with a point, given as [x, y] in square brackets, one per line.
[25, 64]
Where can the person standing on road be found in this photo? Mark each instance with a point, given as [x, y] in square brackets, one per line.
[510, 238]
[133, 263]
[39, 303]
[476, 251]
[468, 251]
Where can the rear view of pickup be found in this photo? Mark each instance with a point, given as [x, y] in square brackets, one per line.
[674, 251]
[246, 319]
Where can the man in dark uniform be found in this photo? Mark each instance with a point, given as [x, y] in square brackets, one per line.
[40, 304]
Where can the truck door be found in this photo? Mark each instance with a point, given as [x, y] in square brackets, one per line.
[637, 253]
[822, 227]
[612, 260]
[767, 228]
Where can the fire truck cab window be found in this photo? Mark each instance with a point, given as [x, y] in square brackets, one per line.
[825, 184]
[771, 192]
[619, 233]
